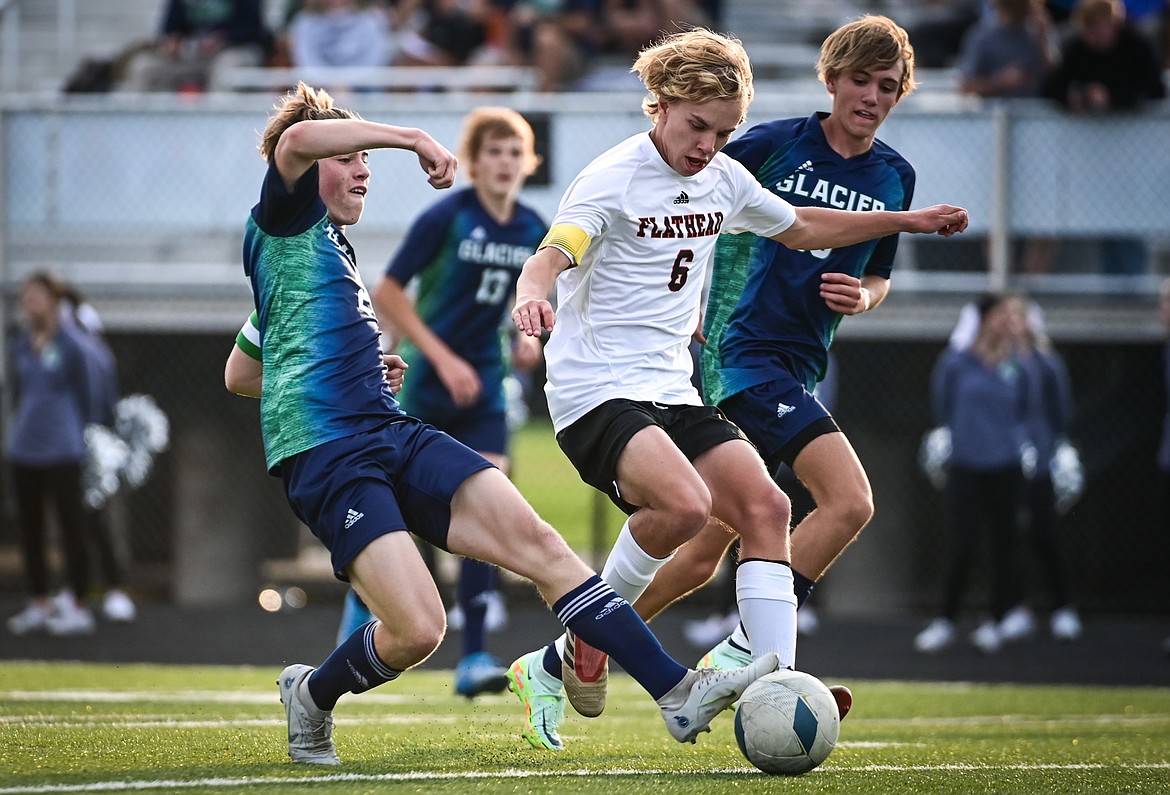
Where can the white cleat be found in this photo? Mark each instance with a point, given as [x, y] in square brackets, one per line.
[310, 730]
[702, 694]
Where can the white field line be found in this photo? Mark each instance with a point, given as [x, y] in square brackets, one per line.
[343, 778]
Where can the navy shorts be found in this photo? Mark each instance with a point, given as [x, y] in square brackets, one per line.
[400, 476]
[594, 442]
[780, 417]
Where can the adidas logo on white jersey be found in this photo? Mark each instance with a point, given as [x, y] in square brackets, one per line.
[351, 517]
[682, 198]
[784, 408]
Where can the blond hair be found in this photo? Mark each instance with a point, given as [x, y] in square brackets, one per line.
[695, 65]
[303, 103]
[866, 43]
[484, 123]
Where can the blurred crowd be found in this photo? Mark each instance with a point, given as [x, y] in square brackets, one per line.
[1089, 55]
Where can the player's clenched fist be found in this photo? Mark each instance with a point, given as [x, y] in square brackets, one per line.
[944, 219]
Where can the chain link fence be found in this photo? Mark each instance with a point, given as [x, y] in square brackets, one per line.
[141, 206]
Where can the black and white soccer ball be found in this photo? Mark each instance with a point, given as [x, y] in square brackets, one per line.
[787, 723]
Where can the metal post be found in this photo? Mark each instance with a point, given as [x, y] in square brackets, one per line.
[66, 35]
[9, 44]
[1000, 234]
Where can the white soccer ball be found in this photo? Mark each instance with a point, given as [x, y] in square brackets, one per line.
[786, 723]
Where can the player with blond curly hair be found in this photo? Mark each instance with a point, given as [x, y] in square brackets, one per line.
[628, 252]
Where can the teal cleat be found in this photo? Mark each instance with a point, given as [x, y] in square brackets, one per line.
[544, 706]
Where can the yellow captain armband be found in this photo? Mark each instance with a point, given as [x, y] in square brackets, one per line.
[568, 238]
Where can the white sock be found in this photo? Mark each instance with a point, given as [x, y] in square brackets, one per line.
[628, 569]
[740, 638]
[767, 608]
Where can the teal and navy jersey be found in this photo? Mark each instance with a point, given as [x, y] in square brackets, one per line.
[323, 374]
[765, 310]
[467, 265]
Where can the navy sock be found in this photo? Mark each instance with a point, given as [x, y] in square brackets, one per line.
[353, 667]
[476, 579]
[552, 661]
[604, 620]
[801, 586]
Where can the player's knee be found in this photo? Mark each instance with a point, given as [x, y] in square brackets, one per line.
[690, 511]
[420, 642]
[852, 510]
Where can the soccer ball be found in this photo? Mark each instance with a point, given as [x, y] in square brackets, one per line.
[786, 723]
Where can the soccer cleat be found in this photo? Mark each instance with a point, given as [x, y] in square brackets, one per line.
[1017, 624]
[480, 673]
[986, 637]
[544, 707]
[310, 730]
[937, 635]
[725, 656]
[71, 619]
[1065, 624]
[690, 705]
[118, 606]
[585, 671]
[32, 619]
[844, 698]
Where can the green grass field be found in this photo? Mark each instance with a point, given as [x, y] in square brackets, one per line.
[146, 728]
[547, 480]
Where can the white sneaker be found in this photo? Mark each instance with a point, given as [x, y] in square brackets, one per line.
[118, 606]
[690, 705]
[937, 635]
[1017, 624]
[310, 730]
[71, 619]
[32, 619]
[986, 637]
[1065, 624]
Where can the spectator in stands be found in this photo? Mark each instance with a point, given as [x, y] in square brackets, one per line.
[338, 33]
[560, 38]
[450, 34]
[200, 39]
[980, 395]
[45, 450]
[1010, 55]
[938, 28]
[633, 24]
[1007, 57]
[1108, 66]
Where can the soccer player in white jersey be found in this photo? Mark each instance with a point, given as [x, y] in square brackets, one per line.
[627, 253]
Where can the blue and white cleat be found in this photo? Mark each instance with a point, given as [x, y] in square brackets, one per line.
[480, 673]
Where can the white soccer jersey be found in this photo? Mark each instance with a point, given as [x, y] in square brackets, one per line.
[626, 313]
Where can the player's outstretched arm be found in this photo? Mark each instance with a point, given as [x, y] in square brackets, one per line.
[821, 227]
[533, 312]
[306, 142]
